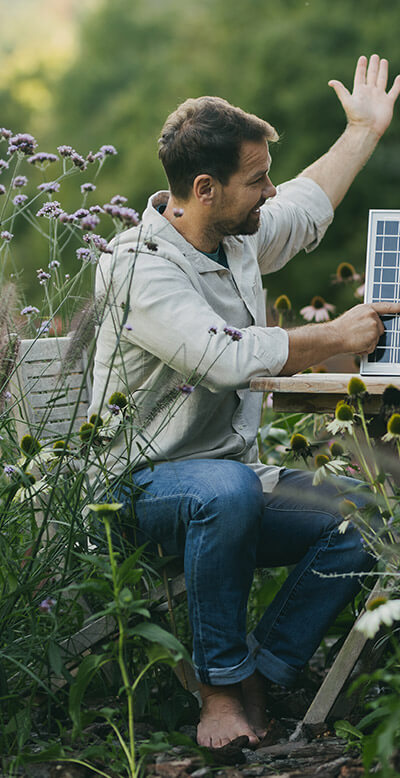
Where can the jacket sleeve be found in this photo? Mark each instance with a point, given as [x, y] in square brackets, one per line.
[170, 319]
[295, 219]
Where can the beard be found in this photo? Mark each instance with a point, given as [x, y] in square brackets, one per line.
[248, 226]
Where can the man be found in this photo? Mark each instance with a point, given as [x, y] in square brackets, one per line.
[184, 333]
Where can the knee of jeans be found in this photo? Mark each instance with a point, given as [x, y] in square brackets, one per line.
[234, 495]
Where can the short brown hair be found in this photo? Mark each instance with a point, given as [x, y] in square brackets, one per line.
[205, 135]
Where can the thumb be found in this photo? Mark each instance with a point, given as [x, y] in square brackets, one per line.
[340, 90]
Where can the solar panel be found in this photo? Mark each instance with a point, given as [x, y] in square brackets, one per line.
[382, 284]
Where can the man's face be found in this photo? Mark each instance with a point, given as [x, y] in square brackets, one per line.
[237, 210]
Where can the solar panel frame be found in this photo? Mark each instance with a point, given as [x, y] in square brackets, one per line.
[382, 283]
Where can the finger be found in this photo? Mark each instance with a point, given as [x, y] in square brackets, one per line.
[382, 77]
[386, 308]
[360, 71]
[341, 91]
[373, 68]
[395, 90]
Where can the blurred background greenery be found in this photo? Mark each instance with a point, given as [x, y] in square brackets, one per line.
[93, 72]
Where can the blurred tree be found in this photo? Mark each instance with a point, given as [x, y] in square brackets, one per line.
[136, 61]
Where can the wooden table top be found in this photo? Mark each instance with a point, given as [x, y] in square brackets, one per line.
[319, 392]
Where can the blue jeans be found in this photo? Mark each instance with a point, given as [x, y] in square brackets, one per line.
[214, 514]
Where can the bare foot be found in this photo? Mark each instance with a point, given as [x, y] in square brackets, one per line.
[222, 717]
[254, 696]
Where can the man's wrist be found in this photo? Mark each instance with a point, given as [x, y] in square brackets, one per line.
[362, 135]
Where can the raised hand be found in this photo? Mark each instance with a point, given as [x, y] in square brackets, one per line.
[369, 105]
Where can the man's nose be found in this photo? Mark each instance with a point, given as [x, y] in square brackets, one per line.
[269, 190]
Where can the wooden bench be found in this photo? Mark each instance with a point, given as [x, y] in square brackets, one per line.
[320, 393]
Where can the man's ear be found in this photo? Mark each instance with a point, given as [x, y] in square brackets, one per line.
[204, 188]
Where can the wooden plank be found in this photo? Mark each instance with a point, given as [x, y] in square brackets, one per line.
[329, 383]
[62, 397]
[299, 402]
[340, 671]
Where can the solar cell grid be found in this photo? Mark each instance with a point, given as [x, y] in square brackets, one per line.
[382, 284]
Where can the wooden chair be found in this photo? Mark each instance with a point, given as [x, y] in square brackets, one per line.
[51, 404]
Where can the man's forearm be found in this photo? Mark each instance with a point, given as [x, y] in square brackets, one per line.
[336, 170]
[309, 345]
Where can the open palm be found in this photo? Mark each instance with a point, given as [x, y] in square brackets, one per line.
[369, 104]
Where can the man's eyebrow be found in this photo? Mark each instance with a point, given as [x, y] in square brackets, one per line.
[262, 172]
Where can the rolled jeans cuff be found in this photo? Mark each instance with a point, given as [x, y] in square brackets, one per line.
[224, 676]
[269, 665]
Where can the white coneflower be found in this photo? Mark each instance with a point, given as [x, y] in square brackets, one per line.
[393, 428]
[343, 421]
[379, 611]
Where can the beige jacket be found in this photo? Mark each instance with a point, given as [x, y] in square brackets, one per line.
[156, 336]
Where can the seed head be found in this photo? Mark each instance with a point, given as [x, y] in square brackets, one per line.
[96, 420]
[321, 459]
[60, 446]
[376, 602]
[393, 425]
[298, 442]
[119, 399]
[336, 449]
[30, 445]
[344, 412]
[282, 303]
[346, 272]
[356, 387]
[86, 431]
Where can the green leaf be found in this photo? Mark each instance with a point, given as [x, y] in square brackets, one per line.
[156, 634]
[87, 669]
[344, 728]
[55, 657]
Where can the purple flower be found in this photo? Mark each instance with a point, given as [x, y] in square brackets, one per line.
[86, 255]
[234, 334]
[114, 409]
[112, 210]
[7, 236]
[9, 470]
[43, 327]
[50, 210]
[99, 242]
[54, 263]
[49, 186]
[41, 157]
[20, 199]
[129, 216]
[46, 605]
[90, 222]
[78, 160]
[23, 142]
[96, 209]
[42, 276]
[212, 330]
[65, 151]
[87, 188]
[186, 388]
[118, 200]
[28, 310]
[81, 213]
[66, 218]
[108, 150]
[3, 165]
[128, 327]
[19, 181]
[7, 395]
[2, 189]
[178, 212]
[5, 133]
[94, 157]
[67, 276]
